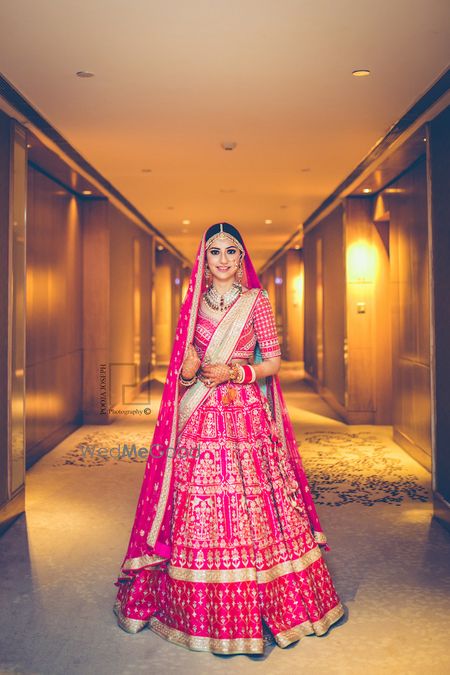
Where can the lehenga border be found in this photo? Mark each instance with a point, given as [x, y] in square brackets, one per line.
[245, 573]
[207, 644]
[246, 645]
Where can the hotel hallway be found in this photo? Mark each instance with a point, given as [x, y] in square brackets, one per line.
[389, 559]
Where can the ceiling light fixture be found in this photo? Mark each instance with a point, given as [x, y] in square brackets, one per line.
[361, 72]
[367, 190]
[268, 222]
[228, 145]
[160, 247]
[29, 145]
[185, 222]
[86, 192]
[84, 73]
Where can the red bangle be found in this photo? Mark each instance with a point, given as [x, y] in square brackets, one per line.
[248, 374]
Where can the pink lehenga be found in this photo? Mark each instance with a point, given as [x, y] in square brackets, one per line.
[225, 550]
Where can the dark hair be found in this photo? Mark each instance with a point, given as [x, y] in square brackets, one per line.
[214, 229]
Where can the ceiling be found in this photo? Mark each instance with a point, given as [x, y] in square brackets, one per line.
[175, 79]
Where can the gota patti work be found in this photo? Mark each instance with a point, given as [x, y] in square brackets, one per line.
[244, 535]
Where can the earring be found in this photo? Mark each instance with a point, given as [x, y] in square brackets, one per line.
[207, 276]
[240, 272]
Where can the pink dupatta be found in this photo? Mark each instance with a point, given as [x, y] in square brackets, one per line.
[150, 540]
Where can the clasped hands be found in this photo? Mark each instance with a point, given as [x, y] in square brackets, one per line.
[212, 374]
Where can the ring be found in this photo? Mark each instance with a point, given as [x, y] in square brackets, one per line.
[208, 381]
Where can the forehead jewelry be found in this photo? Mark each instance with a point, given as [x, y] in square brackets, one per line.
[221, 235]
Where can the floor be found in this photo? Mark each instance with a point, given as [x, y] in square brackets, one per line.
[390, 561]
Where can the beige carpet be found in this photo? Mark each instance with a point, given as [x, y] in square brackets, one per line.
[389, 559]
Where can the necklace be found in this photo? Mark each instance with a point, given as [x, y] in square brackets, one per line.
[221, 302]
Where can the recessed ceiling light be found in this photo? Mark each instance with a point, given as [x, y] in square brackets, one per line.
[86, 192]
[367, 190]
[267, 222]
[228, 145]
[146, 170]
[425, 140]
[29, 145]
[361, 72]
[84, 73]
[185, 222]
[160, 247]
[297, 246]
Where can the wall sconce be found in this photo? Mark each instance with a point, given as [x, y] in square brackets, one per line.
[298, 290]
[361, 262]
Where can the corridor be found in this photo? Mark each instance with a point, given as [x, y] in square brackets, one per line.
[191, 194]
[390, 560]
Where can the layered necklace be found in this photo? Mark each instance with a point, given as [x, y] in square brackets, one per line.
[221, 302]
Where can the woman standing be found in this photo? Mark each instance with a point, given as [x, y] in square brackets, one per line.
[225, 552]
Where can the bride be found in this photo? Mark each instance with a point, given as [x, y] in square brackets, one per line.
[225, 550]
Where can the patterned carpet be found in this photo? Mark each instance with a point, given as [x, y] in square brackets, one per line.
[343, 467]
[390, 562]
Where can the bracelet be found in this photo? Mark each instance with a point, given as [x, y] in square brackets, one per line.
[187, 383]
[242, 374]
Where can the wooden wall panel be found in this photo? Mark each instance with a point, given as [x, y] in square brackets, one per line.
[407, 199]
[330, 230]
[439, 175]
[130, 322]
[54, 314]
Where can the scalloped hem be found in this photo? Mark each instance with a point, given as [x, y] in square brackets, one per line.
[230, 646]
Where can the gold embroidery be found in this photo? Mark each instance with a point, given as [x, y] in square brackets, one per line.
[245, 574]
[207, 644]
[310, 627]
[127, 624]
[220, 349]
[168, 468]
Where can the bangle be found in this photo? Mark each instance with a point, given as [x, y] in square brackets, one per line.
[188, 383]
[253, 372]
[248, 374]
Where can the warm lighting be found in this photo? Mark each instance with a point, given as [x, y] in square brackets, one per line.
[394, 191]
[185, 222]
[268, 222]
[297, 247]
[298, 290]
[29, 145]
[361, 262]
[361, 72]
[177, 281]
[278, 281]
[367, 191]
[87, 192]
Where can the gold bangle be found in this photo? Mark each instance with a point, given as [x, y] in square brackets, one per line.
[188, 383]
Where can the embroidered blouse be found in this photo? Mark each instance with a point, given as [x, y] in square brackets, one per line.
[260, 327]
